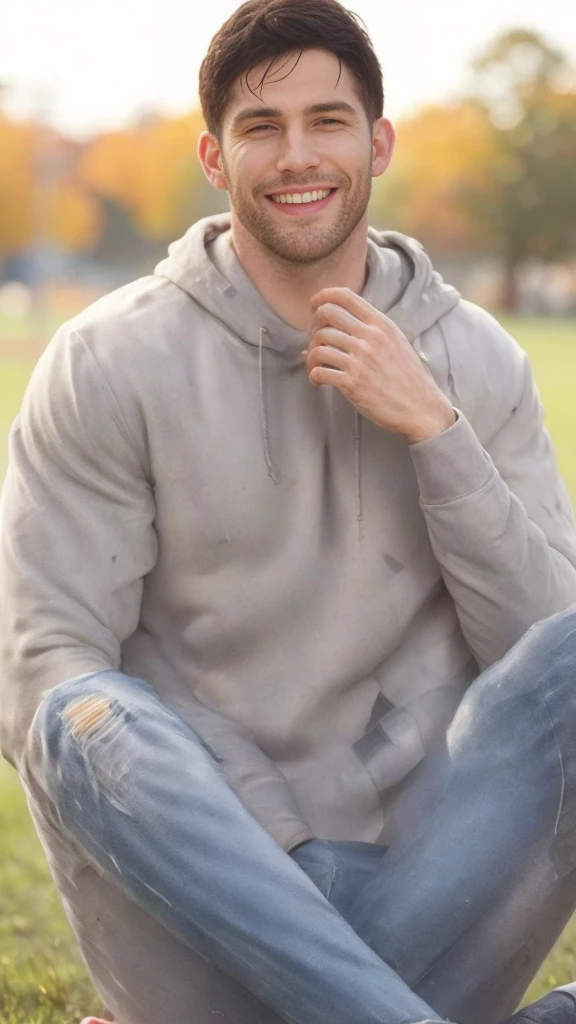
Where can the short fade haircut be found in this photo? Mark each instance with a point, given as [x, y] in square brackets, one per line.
[261, 32]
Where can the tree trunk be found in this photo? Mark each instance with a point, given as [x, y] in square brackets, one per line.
[510, 294]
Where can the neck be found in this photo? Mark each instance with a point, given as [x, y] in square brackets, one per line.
[288, 287]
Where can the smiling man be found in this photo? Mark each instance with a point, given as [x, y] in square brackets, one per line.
[277, 524]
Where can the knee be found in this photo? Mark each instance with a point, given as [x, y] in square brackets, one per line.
[101, 723]
[543, 662]
[535, 681]
[49, 766]
[74, 732]
[79, 709]
[556, 631]
[550, 658]
[82, 748]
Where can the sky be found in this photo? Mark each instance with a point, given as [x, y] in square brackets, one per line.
[89, 65]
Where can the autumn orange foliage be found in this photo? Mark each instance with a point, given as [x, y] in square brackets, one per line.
[442, 158]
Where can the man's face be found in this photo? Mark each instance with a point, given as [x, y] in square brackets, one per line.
[297, 157]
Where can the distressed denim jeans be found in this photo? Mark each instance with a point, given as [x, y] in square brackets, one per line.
[185, 908]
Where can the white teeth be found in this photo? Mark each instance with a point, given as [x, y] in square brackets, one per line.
[302, 197]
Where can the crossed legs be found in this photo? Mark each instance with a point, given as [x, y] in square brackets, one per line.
[176, 892]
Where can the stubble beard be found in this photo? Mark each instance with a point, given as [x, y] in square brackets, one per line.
[300, 242]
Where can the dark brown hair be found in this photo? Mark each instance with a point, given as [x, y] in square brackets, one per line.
[262, 31]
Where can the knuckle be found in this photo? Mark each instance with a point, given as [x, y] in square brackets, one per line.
[363, 346]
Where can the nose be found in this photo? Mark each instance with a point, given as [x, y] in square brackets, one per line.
[298, 152]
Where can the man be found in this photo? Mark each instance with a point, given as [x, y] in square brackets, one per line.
[267, 515]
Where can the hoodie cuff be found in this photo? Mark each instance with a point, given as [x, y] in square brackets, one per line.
[451, 465]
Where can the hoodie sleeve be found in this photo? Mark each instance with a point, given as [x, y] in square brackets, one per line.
[77, 539]
[499, 516]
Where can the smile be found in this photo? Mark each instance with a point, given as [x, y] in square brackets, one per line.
[298, 203]
[301, 197]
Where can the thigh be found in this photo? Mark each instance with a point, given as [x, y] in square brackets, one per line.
[142, 972]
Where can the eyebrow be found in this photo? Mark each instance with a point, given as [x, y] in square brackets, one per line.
[335, 106]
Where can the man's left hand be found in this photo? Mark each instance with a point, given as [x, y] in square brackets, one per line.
[366, 356]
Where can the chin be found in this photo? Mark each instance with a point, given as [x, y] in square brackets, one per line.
[313, 253]
[294, 247]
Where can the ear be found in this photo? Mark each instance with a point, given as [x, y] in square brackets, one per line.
[383, 139]
[210, 157]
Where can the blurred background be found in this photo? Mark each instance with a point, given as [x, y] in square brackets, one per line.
[98, 173]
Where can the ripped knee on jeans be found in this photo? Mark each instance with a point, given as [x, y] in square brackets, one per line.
[87, 714]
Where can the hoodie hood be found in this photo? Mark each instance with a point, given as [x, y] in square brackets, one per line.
[401, 283]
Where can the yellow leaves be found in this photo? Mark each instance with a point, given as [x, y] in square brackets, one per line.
[169, 166]
[51, 189]
[17, 151]
[73, 217]
[442, 157]
[147, 170]
[110, 166]
[38, 196]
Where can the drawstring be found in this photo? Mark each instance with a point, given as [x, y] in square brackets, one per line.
[357, 471]
[272, 472]
[263, 414]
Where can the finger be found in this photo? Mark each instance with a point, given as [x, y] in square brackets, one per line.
[325, 355]
[331, 315]
[331, 336]
[348, 300]
[326, 375]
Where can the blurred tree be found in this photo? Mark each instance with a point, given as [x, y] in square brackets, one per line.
[110, 165]
[173, 189]
[494, 173]
[17, 147]
[39, 198]
[120, 245]
[152, 172]
[440, 170]
[73, 216]
[528, 90]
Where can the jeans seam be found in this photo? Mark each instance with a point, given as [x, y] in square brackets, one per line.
[561, 762]
[333, 876]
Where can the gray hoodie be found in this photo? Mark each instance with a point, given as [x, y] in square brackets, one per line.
[309, 592]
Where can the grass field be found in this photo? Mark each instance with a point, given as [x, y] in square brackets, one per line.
[42, 980]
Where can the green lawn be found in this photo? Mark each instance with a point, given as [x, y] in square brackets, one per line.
[41, 978]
